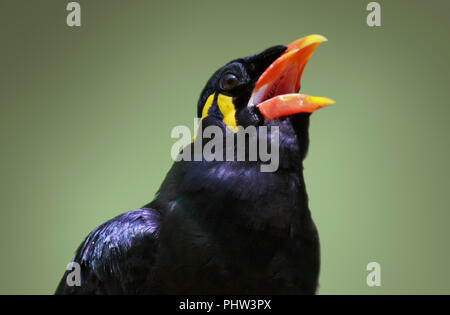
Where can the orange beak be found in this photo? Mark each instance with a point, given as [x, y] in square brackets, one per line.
[276, 91]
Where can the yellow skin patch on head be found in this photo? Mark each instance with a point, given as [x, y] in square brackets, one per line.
[228, 111]
[207, 105]
[226, 107]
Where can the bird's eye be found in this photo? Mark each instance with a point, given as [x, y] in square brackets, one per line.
[228, 81]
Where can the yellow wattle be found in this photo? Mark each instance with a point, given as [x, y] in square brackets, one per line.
[207, 105]
[228, 111]
[226, 107]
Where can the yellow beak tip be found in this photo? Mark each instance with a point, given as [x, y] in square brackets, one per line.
[319, 38]
[322, 101]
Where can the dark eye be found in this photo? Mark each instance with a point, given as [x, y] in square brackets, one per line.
[228, 81]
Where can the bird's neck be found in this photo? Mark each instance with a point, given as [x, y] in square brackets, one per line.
[231, 194]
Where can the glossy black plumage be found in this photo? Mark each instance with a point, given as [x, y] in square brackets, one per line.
[214, 227]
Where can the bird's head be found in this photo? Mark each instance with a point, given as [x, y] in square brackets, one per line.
[264, 85]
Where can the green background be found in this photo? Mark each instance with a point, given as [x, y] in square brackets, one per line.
[86, 115]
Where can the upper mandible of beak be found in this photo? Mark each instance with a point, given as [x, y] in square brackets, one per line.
[289, 66]
[284, 74]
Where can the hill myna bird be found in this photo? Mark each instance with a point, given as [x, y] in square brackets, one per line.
[222, 227]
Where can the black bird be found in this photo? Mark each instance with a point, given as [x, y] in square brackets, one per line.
[222, 227]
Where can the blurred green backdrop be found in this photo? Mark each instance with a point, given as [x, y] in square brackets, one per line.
[86, 115]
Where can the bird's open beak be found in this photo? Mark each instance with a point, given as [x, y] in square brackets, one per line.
[276, 91]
